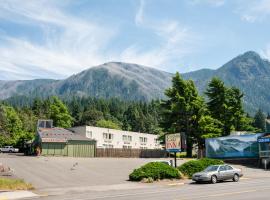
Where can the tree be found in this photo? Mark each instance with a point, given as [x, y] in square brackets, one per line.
[108, 124]
[91, 116]
[182, 110]
[259, 120]
[225, 105]
[59, 113]
[11, 127]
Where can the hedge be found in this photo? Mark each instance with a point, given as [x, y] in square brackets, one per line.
[191, 167]
[154, 170]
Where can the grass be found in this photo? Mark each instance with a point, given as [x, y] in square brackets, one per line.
[14, 184]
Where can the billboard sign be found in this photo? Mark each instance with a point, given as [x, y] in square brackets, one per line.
[262, 140]
[173, 142]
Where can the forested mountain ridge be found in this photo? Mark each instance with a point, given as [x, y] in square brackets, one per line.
[114, 79]
[248, 72]
[126, 81]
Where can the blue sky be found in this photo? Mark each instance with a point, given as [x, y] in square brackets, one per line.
[55, 39]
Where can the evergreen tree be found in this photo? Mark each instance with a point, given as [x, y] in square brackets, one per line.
[182, 110]
[59, 113]
[225, 105]
[259, 120]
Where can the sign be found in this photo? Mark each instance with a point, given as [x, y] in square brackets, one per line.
[173, 142]
[261, 140]
[54, 140]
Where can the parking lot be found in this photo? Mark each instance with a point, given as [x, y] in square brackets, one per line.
[61, 172]
[106, 178]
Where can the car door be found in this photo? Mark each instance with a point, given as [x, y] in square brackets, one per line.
[222, 173]
[229, 172]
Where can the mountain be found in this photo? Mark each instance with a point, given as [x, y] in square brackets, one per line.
[115, 79]
[249, 72]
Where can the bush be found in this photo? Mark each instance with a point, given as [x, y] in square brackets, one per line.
[191, 167]
[155, 171]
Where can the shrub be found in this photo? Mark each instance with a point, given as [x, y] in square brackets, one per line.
[155, 171]
[191, 167]
[208, 161]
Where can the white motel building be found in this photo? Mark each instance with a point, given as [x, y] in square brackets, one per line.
[112, 138]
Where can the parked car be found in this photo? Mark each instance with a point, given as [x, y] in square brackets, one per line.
[9, 149]
[215, 173]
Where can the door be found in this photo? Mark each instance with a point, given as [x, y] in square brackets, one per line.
[81, 149]
[229, 172]
[222, 173]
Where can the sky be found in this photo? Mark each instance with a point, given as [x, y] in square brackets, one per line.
[55, 39]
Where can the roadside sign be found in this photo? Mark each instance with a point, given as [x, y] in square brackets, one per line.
[266, 139]
[173, 142]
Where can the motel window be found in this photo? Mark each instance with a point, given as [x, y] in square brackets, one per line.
[127, 138]
[127, 147]
[107, 136]
[108, 146]
[143, 140]
[89, 134]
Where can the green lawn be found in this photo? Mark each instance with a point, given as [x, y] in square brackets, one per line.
[14, 184]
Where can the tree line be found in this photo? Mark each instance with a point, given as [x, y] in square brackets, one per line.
[217, 113]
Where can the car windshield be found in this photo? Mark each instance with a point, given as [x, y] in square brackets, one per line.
[211, 168]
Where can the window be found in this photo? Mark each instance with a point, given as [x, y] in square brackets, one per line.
[108, 146]
[228, 167]
[107, 136]
[89, 134]
[222, 168]
[143, 140]
[127, 147]
[127, 138]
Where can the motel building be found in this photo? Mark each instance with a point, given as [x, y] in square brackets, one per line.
[112, 138]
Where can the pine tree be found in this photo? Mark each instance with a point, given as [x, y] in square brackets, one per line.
[259, 120]
[59, 113]
[182, 110]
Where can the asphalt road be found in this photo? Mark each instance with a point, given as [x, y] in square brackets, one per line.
[246, 189]
[56, 178]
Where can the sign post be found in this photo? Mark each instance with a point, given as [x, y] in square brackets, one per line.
[173, 144]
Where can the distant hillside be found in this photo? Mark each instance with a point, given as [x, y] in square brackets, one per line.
[114, 79]
[248, 71]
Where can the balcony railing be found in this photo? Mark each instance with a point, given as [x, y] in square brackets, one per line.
[264, 154]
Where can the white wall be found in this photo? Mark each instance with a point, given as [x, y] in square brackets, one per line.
[117, 140]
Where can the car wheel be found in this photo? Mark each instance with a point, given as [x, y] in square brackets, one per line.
[213, 179]
[10, 151]
[236, 178]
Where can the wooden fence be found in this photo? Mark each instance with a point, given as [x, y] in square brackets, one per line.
[131, 153]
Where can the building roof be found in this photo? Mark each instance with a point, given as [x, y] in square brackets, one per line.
[59, 135]
[112, 130]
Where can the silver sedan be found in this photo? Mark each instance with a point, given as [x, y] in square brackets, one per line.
[215, 173]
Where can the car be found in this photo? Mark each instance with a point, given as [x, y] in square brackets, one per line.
[215, 173]
[9, 149]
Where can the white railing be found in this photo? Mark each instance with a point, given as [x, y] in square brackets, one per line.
[265, 153]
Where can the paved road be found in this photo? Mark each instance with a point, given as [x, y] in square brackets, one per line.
[246, 189]
[105, 178]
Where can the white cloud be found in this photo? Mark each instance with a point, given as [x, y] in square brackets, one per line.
[69, 45]
[176, 42]
[265, 53]
[215, 3]
[252, 11]
[139, 14]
